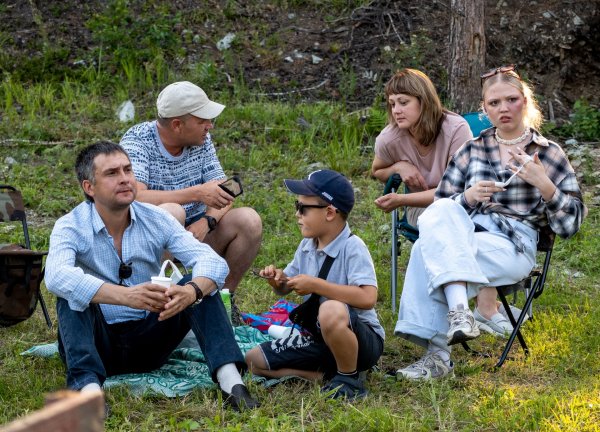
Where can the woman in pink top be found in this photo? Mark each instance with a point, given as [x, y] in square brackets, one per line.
[418, 142]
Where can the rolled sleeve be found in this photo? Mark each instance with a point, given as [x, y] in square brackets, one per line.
[63, 278]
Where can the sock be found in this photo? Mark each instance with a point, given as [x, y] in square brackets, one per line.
[456, 294]
[349, 374]
[443, 354]
[91, 387]
[228, 376]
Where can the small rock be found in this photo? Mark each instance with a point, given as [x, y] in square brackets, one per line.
[9, 160]
[225, 43]
[387, 48]
[79, 63]
[547, 15]
[196, 39]
[577, 21]
[575, 163]
[316, 59]
[289, 59]
[571, 142]
[291, 15]
[315, 166]
[503, 22]
[298, 54]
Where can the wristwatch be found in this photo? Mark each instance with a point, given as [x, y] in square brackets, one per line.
[212, 222]
[199, 293]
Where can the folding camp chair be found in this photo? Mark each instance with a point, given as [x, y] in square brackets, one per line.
[533, 287]
[400, 227]
[21, 270]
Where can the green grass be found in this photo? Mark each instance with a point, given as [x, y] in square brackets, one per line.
[44, 122]
[556, 388]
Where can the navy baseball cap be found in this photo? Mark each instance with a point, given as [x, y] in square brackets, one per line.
[328, 185]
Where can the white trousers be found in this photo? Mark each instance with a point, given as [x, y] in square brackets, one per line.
[449, 250]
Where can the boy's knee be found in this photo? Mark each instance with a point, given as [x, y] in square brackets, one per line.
[333, 314]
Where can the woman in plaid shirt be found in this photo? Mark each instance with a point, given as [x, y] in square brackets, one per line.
[482, 230]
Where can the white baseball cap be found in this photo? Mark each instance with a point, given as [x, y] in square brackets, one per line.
[183, 98]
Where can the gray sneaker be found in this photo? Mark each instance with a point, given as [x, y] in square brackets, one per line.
[515, 311]
[497, 325]
[462, 325]
[429, 367]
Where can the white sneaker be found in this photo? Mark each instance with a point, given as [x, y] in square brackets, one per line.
[515, 311]
[428, 367]
[498, 324]
[462, 325]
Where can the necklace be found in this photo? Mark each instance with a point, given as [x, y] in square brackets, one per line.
[511, 142]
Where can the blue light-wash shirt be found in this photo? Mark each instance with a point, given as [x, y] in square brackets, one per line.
[154, 166]
[82, 255]
[352, 265]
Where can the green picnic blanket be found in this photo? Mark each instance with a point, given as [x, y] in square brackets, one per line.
[185, 370]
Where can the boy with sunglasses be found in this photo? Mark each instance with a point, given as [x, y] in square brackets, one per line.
[349, 337]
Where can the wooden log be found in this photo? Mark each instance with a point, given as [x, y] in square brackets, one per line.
[66, 411]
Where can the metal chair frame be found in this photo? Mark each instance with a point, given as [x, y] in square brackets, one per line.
[18, 214]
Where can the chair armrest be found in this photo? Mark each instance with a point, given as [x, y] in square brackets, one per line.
[393, 183]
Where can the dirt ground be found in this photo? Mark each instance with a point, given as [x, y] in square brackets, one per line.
[554, 43]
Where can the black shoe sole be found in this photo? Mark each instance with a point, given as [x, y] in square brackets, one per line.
[459, 337]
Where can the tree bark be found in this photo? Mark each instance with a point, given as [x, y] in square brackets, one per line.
[467, 54]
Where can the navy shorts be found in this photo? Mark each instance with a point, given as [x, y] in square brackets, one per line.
[304, 353]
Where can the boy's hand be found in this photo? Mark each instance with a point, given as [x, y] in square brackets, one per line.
[302, 284]
[275, 277]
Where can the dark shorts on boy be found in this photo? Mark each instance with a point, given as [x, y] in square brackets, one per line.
[305, 353]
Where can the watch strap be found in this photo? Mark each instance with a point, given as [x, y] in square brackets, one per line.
[199, 293]
[210, 221]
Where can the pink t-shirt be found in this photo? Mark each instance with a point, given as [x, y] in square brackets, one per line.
[393, 145]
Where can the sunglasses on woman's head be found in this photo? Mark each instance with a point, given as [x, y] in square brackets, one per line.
[495, 71]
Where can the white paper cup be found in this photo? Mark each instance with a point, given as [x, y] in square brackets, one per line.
[162, 280]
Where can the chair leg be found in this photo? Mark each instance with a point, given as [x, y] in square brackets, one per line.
[44, 309]
[516, 333]
[394, 263]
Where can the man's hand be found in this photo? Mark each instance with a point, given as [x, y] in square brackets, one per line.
[147, 296]
[302, 284]
[411, 176]
[212, 195]
[181, 296]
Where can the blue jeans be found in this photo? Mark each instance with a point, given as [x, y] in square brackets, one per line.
[92, 349]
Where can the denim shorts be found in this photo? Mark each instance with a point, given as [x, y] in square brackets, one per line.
[302, 352]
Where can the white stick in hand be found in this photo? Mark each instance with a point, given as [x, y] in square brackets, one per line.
[507, 182]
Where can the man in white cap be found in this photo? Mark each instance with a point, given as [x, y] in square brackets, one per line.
[176, 167]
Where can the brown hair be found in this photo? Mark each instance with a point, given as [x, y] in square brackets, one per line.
[532, 116]
[415, 83]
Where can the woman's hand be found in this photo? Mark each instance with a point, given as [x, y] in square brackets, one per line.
[533, 172]
[389, 202]
[411, 176]
[481, 191]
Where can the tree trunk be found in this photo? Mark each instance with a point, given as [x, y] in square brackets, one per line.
[467, 54]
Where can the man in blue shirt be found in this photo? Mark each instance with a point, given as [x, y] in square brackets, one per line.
[111, 318]
[176, 167]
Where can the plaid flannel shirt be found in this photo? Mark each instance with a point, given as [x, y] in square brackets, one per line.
[479, 159]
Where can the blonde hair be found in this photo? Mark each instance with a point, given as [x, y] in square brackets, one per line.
[415, 83]
[532, 116]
